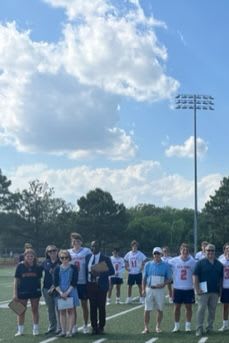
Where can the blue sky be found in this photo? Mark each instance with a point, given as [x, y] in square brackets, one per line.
[87, 92]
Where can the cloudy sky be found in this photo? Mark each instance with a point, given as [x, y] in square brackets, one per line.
[87, 97]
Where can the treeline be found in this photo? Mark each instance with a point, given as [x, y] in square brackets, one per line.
[35, 215]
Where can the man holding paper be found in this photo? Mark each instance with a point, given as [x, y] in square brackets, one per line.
[155, 276]
[99, 268]
[208, 276]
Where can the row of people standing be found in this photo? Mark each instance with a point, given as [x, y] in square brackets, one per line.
[78, 261]
[208, 277]
[67, 274]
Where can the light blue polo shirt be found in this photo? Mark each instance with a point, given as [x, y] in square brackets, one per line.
[156, 269]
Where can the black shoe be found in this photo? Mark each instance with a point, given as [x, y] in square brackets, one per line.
[94, 332]
[100, 331]
[51, 331]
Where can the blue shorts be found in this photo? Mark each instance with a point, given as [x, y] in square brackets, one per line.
[225, 296]
[134, 278]
[181, 296]
[32, 295]
[82, 292]
[116, 280]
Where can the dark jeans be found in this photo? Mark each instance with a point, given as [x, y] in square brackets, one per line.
[97, 300]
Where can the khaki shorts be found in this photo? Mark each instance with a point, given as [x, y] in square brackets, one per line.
[154, 299]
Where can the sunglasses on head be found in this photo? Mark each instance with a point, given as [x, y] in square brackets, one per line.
[64, 257]
[52, 250]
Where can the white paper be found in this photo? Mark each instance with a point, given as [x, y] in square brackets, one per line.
[204, 287]
[64, 304]
[156, 280]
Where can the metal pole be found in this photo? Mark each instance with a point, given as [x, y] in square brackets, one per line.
[195, 181]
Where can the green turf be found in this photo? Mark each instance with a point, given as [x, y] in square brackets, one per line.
[125, 328]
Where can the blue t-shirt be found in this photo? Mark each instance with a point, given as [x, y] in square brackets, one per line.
[156, 269]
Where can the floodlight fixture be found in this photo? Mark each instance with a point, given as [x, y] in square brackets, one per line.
[194, 102]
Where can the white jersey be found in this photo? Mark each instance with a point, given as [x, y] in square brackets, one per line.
[135, 260]
[199, 255]
[166, 258]
[225, 262]
[119, 266]
[182, 272]
[78, 259]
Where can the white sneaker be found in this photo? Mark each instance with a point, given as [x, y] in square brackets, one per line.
[117, 301]
[85, 329]
[128, 300]
[18, 333]
[142, 300]
[74, 329]
[158, 329]
[170, 300]
[176, 329]
[188, 329]
[35, 332]
[108, 301]
[223, 328]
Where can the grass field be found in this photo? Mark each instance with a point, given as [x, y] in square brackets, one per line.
[124, 323]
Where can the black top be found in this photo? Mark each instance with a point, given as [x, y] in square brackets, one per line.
[212, 273]
[49, 267]
[29, 284]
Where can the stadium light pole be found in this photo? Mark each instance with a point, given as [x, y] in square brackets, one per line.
[194, 102]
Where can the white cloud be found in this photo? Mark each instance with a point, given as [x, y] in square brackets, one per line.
[64, 98]
[187, 149]
[144, 182]
[128, 61]
[50, 110]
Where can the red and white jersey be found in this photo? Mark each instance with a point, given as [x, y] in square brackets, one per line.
[225, 262]
[78, 259]
[119, 266]
[135, 261]
[182, 271]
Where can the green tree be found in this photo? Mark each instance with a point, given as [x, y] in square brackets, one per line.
[41, 212]
[5, 194]
[100, 217]
[216, 215]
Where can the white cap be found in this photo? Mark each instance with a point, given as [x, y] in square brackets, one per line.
[157, 249]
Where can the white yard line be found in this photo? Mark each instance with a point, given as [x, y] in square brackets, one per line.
[203, 340]
[108, 318]
[124, 312]
[49, 340]
[100, 340]
[152, 340]
[4, 302]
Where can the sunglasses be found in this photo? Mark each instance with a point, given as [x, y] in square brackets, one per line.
[64, 257]
[210, 250]
[53, 250]
[156, 253]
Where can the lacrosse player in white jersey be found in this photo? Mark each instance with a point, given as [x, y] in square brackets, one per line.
[78, 255]
[116, 279]
[183, 289]
[134, 264]
[165, 258]
[224, 259]
[201, 254]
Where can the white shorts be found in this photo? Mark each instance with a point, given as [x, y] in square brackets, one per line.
[154, 299]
